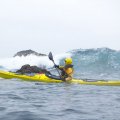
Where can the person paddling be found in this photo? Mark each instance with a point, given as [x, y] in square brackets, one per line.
[66, 70]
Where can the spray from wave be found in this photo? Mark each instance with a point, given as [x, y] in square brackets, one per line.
[15, 63]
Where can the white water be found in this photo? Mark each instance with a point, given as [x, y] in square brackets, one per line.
[40, 61]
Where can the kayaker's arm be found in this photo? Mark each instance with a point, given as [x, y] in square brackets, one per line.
[59, 67]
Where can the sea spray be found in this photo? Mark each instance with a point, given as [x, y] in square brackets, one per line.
[40, 61]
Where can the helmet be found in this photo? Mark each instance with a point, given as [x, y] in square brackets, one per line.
[68, 61]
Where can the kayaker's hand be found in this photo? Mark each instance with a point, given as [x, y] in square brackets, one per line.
[56, 66]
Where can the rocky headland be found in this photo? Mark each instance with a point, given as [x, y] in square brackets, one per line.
[30, 69]
[27, 68]
[28, 52]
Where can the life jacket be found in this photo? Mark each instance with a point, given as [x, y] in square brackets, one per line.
[67, 71]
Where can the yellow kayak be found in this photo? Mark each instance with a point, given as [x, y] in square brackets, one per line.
[44, 78]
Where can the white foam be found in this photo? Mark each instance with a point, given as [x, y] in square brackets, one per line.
[41, 61]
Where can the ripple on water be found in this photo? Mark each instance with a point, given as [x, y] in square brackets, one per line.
[2, 109]
[22, 115]
[69, 111]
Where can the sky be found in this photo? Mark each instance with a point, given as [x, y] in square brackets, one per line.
[58, 25]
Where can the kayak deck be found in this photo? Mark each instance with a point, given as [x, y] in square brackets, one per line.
[44, 78]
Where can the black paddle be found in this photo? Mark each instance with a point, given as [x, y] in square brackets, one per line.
[51, 58]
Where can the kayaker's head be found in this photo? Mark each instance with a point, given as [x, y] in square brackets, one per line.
[68, 61]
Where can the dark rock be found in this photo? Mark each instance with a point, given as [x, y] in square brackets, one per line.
[28, 52]
[30, 69]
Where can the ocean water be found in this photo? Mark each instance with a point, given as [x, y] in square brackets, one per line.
[22, 100]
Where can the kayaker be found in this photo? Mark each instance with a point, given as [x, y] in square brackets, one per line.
[67, 70]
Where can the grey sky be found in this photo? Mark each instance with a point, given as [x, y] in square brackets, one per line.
[58, 25]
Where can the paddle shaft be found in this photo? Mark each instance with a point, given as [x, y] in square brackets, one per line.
[51, 58]
[56, 68]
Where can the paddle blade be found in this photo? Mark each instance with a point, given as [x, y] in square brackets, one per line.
[50, 56]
